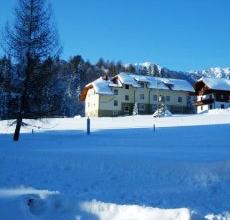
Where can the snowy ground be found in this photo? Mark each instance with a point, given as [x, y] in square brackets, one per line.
[122, 171]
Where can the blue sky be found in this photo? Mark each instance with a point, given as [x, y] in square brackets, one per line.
[178, 34]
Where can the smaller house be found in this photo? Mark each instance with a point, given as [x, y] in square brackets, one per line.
[212, 93]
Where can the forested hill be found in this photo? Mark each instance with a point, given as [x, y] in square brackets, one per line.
[54, 88]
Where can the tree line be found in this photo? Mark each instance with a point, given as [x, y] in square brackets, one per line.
[53, 88]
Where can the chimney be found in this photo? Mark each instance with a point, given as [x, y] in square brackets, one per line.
[105, 77]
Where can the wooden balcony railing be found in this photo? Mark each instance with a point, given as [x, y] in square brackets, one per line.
[204, 102]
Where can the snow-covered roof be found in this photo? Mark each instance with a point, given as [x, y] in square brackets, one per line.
[102, 86]
[181, 85]
[216, 83]
[128, 79]
[152, 82]
[156, 82]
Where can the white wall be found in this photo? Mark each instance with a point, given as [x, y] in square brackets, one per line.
[91, 103]
[202, 108]
[215, 105]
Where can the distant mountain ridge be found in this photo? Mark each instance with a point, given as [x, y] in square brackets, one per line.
[148, 68]
[216, 72]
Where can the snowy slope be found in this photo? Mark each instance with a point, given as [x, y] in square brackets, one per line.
[122, 171]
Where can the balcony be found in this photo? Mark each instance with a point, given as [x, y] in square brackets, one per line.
[205, 102]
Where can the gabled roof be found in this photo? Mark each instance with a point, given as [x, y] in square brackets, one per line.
[157, 82]
[102, 86]
[216, 83]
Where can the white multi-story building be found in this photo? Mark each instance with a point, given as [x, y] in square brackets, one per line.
[118, 95]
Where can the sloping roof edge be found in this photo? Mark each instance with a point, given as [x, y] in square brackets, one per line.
[83, 94]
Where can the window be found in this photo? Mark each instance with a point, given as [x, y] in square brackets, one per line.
[154, 98]
[126, 86]
[222, 106]
[115, 92]
[126, 98]
[142, 96]
[179, 99]
[210, 106]
[167, 98]
[115, 103]
[210, 96]
[142, 84]
[222, 96]
[201, 108]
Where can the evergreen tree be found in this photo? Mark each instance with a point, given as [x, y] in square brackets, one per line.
[29, 41]
[130, 69]
[135, 109]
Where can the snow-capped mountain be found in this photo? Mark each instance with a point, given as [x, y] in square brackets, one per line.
[148, 68]
[216, 72]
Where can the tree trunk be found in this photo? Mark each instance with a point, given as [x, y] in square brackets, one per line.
[23, 98]
[18, 127]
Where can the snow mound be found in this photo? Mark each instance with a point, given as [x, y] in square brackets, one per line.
[224, 216]
[216, 111]
[162, 113]
[77, 117]
[110, 211]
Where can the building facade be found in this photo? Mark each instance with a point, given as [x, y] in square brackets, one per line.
[118, 95]
[212, 93]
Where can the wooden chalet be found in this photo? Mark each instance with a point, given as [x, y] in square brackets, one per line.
[212, 93]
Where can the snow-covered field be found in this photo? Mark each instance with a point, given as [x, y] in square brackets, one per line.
[122, 171]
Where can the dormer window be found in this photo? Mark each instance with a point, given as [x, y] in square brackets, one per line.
[115, 80]
[142, 84]
[126, 86]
